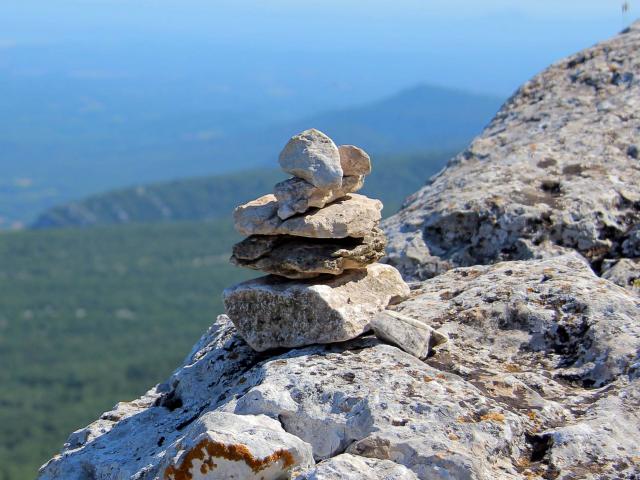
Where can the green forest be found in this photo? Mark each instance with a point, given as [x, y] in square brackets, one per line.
[91, 317]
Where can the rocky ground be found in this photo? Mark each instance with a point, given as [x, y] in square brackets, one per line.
[530, 350]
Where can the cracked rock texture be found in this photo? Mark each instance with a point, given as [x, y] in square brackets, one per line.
[350, 467]
[540, 376]
[557, 169]
[293, 257]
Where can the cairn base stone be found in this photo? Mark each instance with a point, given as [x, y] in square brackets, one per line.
[272, 312]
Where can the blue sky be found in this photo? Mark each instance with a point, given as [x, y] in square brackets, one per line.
[284, 47]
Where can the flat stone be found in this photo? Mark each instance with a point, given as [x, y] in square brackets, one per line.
[296, 258]
[296, 195]
[351, 216]
[271, 312]
[221, 445]
[353, 467]
[354, 160]
[411, 335]
[312, 156]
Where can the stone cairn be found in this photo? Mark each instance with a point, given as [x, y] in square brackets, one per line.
[319, 242]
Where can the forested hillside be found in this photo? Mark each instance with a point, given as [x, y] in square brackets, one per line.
[89, 316]
[393, 178]
[55, 156]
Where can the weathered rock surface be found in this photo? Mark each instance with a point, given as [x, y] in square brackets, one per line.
[555, 170]
[296, 195]
[272, 312]
[539, 378]
[224, 446]
[352, 216]
[354, 160]
[352, 467]
[411, 335]
[297, 258]
[313, 156]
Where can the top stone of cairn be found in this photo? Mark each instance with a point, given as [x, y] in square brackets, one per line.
[312, 156]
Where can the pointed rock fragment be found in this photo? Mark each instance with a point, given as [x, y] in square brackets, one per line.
[411, 335]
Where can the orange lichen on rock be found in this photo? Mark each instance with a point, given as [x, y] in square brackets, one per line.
[493, 416]
[233, 452]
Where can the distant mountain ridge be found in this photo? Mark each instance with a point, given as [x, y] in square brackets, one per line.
[212, 198]
[61, 167]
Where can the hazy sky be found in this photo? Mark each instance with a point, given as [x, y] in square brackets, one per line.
[368, 48]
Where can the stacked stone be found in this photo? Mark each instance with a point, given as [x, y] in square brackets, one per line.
[319, 242]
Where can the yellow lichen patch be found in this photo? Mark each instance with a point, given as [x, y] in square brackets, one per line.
[233, 452]
[492, 417]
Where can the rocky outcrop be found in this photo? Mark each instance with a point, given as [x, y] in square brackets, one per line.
[494, 370]
[539, 377]
[556, 170]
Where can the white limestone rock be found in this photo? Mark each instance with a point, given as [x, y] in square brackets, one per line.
[354, 160]
[411, 335]
[224, 446]
[296, 195]
[312, 156]
[540, 378]
[351, 216]
[351, 467]
[376, 401]
[271, 312]
[556, 170]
